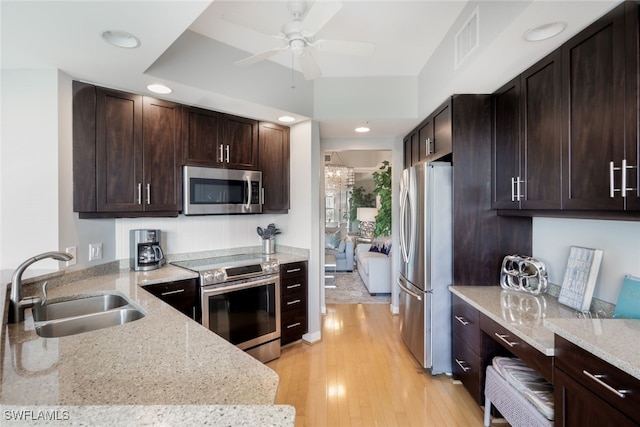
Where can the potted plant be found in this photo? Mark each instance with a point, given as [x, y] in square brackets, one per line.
[382, 179]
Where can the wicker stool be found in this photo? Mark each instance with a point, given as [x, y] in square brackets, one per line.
[513, 406]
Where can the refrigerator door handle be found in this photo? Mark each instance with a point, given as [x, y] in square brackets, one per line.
[404, 196]
[404, 288]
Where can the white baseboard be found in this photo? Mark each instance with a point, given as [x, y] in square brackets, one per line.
[312, 337]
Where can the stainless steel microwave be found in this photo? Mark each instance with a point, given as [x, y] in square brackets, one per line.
[213, 191]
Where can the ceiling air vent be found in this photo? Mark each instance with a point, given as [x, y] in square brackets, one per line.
[327, 157]
[467, 39]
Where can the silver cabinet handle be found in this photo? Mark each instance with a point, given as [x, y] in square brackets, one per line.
[227, 153]
[518, 192]
[221, 154]
[139, 193]
[179, 291]
[148, 194]
[293, 325]
[597, 378]
[513, 189]
[295, 301]
[462, 320]
[297, 285]
[461, 364]
[612, 187]
[293, 270]
[503, 338]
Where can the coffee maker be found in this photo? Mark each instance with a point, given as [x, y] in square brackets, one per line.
[145, 252]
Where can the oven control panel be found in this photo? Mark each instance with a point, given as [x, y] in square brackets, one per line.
[221, 275]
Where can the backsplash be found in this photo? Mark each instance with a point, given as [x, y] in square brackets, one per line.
[620, 241]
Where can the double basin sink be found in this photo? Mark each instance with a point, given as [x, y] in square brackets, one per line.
[83, 314]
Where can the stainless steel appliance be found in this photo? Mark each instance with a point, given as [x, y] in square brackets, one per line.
[426, 228]
[240, 296]
[145, 252]
[208, 191]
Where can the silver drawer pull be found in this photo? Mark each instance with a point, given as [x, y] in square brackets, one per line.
[597, 378]
[297, 285]
[293, 325]
[295, 301]
[172, 292]
[461, 364]
[294, 270]
[503, 338]
[462, 320]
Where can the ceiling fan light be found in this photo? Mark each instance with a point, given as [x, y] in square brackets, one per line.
[297, 46]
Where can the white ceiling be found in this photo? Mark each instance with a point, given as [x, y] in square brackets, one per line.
[66, 35]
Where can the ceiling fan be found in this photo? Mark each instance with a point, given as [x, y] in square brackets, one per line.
[298, 36]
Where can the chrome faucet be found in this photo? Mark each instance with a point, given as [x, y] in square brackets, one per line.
[17, 305]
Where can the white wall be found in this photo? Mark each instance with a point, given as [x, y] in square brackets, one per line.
[29, 166]
[619, 240]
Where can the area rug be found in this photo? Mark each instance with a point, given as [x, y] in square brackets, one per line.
[350, 290]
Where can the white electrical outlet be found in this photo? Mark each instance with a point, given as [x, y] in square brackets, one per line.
[72, 250]
[95, 251]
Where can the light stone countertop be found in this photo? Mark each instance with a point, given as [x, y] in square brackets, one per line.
[162, 363]
[523, 314]
[616, 341]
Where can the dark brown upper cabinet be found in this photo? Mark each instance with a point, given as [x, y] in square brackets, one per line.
[219, 140]
[274, 163]
[126, 154]
[527, 142]
[600, 114]
[431, 139]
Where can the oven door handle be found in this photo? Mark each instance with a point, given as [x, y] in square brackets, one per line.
[206, 291]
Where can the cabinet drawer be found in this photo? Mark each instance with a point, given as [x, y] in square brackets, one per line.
[293, 301]
[465, 323]
[616, 387]
[294, 325]
[293, 269]
[529, 355]
[294, 285]
[466, 365]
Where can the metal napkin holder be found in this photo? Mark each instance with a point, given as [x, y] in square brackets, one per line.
[523, 274]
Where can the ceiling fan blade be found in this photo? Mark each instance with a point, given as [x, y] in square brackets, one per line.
[320, 13]
[244, 21]
[309, 67]
[344, 47]
[260, 57]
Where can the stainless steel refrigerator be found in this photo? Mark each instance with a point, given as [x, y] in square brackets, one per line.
[426, 229]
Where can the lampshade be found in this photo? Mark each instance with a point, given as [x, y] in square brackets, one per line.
[367, 214]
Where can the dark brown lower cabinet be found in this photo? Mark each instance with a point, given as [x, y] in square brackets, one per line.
[293, 301]
[591, 392]
[181, 295]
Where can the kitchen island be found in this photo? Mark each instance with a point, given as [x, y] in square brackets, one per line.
[163, 367]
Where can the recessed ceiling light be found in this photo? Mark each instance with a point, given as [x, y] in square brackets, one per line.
[362, 129]
[544, 32]
[158, 88]
[286, 119]
[121, 39]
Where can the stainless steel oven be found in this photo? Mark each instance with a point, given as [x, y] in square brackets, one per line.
[240, 297]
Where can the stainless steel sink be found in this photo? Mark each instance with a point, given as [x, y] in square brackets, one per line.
[89, 322]
[78, 307]
[84, 314]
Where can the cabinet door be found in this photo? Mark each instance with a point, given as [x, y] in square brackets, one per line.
[593, 113]
[240, 143]
[406, 144]
[442, 129]
[541, 142]
[182, 295]
[506, 146]
[162, 155]
[118, 151]
[201, 143]
[274, 165]
[415, 149]
[425, 140]
[632, 117]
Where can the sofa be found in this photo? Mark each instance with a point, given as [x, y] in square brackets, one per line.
[341, 248]
[374, 268]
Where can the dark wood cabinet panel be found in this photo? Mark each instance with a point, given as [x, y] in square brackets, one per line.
[406, 146]
[274, 164]
[632, 104]
[425, 140]
[118, 151]
[593, 72]
[442, 133]
[527, 141]
[240, 142]
[84, 147]
[585, 390]
[293, 307]
[162, 155]
[202, 134]
[415, 148]
[182, 295]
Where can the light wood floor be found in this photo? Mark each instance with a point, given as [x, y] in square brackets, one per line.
[361, 374]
